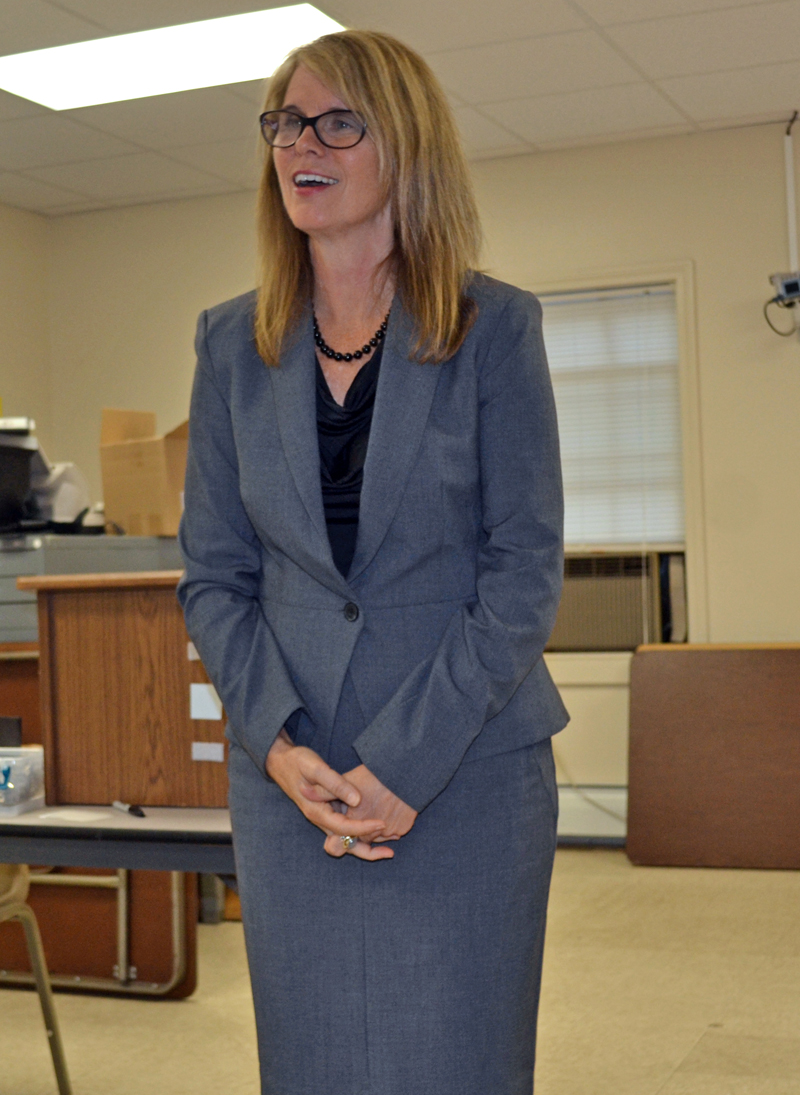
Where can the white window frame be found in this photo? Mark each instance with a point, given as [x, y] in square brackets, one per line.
[680, 276]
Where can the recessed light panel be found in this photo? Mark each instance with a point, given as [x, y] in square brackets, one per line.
[157, 62]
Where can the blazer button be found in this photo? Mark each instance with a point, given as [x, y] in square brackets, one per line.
[351, 612]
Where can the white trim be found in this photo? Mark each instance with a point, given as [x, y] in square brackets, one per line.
[672, 547]
[681, 275]
[579, 818]
[589, 669]
[791, 200]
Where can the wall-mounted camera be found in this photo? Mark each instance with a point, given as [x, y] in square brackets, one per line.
[787, 288]
[787, 295]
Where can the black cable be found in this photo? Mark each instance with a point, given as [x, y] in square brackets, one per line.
[792, 120]
[783, 334]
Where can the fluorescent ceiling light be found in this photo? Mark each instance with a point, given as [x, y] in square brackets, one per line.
[157, 62]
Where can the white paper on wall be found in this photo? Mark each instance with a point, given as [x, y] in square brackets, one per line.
[208, 750]
[204, 703]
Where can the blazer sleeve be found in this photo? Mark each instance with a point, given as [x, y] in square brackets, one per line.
[417, 741]
[219, 592]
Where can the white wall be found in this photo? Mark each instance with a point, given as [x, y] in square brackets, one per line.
[24, 357]
[126, 286]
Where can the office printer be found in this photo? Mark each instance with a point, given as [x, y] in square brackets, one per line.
[35, 494]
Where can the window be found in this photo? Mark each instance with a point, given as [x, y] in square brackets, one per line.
[614, 361]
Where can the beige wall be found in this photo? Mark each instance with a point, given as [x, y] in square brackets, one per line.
[717, 199]
[126, 286]
[24, 358]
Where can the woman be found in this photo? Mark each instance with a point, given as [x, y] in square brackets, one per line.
[372, 538]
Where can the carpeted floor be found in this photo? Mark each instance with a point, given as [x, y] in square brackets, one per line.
[657, 982]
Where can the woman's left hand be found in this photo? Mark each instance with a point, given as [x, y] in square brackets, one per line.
[377, 801]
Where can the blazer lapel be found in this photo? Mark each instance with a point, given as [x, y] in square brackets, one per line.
[402, 403]
[294, 387]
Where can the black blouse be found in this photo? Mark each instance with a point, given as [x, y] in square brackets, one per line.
[343, 434]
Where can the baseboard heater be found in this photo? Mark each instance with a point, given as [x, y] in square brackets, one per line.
[617, 602]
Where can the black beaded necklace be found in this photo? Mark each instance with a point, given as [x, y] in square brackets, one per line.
[356, 355]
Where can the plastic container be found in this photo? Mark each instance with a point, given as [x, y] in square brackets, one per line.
[21, 779]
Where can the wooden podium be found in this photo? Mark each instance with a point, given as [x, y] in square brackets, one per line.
[114, 689]
[714, 778]
[116, 670]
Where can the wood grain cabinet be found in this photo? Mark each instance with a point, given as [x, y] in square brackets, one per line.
[116, 675]
[714, 775]
[19, 688]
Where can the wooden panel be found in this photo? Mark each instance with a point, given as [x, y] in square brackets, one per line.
[79, 929]
[714, 775]
[19, 695]
[151, 928]
[118, 699]
[14, 651]
[683, 647]
[64, 915]
[47, 700]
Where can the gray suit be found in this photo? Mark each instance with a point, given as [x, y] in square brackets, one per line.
[424, 664]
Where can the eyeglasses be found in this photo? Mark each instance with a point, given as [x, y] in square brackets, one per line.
[334, 128]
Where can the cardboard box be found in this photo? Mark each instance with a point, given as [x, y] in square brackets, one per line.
[142, 474]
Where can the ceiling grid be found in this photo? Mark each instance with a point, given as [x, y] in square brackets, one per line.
[522, 76]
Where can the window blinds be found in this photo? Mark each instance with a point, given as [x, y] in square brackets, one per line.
[614, 362]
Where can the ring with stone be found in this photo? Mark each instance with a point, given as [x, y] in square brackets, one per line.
[349, 842]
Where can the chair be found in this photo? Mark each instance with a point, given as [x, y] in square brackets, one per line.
[14, 884]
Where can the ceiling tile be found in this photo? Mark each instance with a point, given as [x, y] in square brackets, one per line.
[35, 24]
[84, 206]
[143, 174]
[534, 66]
[767, 91]
[237, 161]
[122, 16]
[608, 112]
[453, 99]
[713, 41]
[186, 117]
[30, 194]
[11, 106]
[482, 135]
[721, 61]
[607, 12]
[90, 205]
[252, 91]
[52, 139]
[430, 25]
[93, 205]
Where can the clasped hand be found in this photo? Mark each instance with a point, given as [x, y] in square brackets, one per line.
[354, 804]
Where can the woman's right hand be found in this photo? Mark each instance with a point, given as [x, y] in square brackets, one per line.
[317, 789]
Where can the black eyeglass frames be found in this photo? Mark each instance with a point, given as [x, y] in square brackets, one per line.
[334, 128]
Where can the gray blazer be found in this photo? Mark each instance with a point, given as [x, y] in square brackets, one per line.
[458, 565]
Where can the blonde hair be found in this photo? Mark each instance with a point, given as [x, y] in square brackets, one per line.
[425, 176]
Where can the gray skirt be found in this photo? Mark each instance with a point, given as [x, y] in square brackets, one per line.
[413, 976]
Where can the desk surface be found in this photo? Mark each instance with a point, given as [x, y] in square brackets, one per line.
[167, 838]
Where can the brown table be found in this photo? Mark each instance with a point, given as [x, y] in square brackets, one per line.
[714, 770]
[131, 930]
